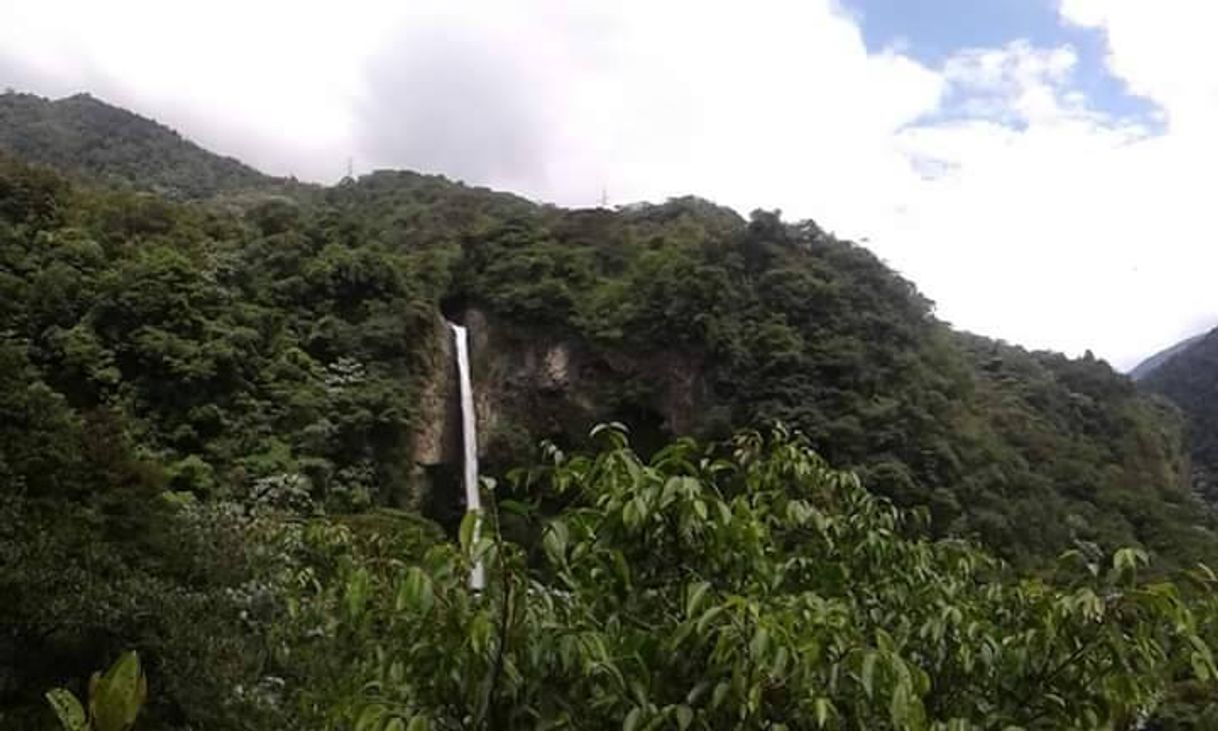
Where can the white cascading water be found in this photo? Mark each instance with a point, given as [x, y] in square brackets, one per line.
[469, 438]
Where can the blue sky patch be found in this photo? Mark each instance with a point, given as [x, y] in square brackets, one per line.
[931, 31]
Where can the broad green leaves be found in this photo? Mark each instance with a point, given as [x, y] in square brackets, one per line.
[68, 710]
[115, 699]
[416, 592]
[750, 585]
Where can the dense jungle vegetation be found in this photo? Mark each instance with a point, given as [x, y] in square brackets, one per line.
[209, 380]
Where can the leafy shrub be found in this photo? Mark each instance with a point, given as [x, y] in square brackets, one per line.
[742, 585]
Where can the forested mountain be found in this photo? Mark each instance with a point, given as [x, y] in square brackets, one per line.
[1151, 364]
[84, 135]
[1189, 378]
[207, 410]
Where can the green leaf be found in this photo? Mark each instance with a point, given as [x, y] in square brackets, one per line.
[621, 568]
[615, 430]
[884, 641]
[632, 719]
[867, 674]
[1126, 561]
[685, 716]
[555, 541]
[1201, 668]
[898, 706]
[370, 718]
[480, 630]
[465, 535]
[640, 507]
[823, 708]
[117, 697]
[697, 692]
[631, 517]
[725, 513]
[418, 723]
[669, 493]
[760, 643]
[707, 617]
[417, 591]
[516, 507]
[358, 584]
[69, 711]
[694, 596]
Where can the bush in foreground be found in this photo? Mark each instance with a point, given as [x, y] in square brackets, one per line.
[744, 585]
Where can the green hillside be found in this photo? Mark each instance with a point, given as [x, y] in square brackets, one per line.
[1151, 364]
[210, 414]
[83, 135]
[1190, 380]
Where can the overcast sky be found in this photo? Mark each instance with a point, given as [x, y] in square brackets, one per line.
[1040, 168]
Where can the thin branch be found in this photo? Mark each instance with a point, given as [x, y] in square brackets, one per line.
[489, 707]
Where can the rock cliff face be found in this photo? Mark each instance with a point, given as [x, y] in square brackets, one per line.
[530, 386]
[436, 443]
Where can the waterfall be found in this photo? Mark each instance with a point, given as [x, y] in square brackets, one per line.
[469, 440]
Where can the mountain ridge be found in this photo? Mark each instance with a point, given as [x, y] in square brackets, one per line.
[86, 136]
[1153, 362]
[1189, 379]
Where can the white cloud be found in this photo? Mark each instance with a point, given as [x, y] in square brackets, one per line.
[1012, 84]
[991, 181]
[1163, 50]
[267, 81]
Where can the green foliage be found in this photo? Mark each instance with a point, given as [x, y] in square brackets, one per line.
[115, 699]
[87, 136]
[291, 337]
[193, 377]
[235, 356]
[742, 585]
[1030, 452]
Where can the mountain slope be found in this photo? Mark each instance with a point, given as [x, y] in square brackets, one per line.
[221, 337]
[1148, 366]
[83, 135]
[1190, 380]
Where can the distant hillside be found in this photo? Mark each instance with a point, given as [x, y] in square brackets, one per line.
[87, 137]
[1148, 366]
[1189, 378]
